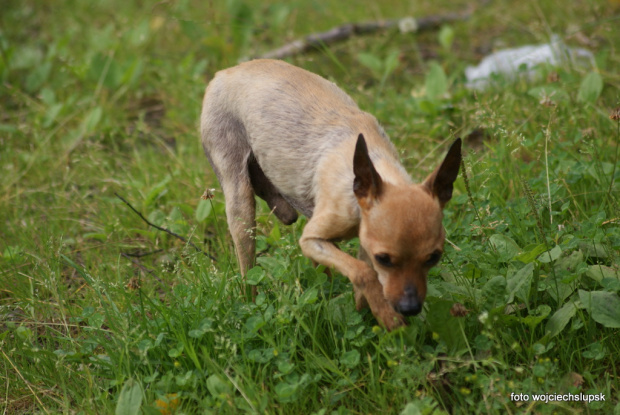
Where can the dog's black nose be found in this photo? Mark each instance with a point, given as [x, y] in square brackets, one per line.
[409, 304]
[409, 307]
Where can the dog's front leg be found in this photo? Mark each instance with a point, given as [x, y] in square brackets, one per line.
[360, 300]
[315, 244]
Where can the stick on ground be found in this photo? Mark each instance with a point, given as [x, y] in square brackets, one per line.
[168, 231]
[345, 31]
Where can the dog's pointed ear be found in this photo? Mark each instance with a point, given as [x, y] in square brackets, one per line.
[441, 180]
[367, 184]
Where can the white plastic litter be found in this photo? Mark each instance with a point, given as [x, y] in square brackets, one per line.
[508, 62]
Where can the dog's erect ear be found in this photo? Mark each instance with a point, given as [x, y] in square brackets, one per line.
[367, 183]
[441, 180]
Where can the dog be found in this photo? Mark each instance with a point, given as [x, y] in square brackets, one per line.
[301, 144]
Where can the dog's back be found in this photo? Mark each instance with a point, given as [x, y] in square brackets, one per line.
[287, 119]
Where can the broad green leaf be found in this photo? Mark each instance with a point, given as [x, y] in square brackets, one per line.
[285, 390]
[255, 275]
[520, 280]
[495, 291]
[445, 325]
[217, 387]
[372, 62]
[48, 96]
[285, 367]
[436, 82]
[96, 320]
[591, 87]
[274, 235]
[139, 33]
[350, 359]
[177, 222]
[261, 355]
[130, 399]
[176, 351]
[185, 378]
[570, 263]
[176, 215]
[203, 210]
[24, 333]
[537, 316]
[411, 408]
[446, 37]
[594, 250]
[309, 296]
[559, 290]
[560, 319]
[550, 256]
[532, 254]
[390, 64]
[611, 284]
[144, 345]
[91, 120]
[551, 92]
[204, 326]
[505, 247]
[603, 306]
[595, 351]
[254, 323]
[157, 217]
[96, 235]
[483, 343]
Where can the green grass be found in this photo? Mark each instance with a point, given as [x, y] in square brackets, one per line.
[104, 97]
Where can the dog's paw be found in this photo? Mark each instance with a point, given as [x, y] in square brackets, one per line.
[390, 319]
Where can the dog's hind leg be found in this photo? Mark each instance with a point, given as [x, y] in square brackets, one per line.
[240, 214]
[228, 152]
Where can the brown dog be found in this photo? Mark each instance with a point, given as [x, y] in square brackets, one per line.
[300, 143]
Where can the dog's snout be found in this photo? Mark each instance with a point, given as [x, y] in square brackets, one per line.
[409, 304]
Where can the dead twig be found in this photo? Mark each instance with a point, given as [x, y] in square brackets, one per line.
[164, 229]
[345, 31]
[142, 254]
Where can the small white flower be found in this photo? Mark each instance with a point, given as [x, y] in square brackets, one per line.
[407, 25]
[483, 317]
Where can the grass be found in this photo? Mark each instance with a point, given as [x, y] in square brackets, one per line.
[100, 313]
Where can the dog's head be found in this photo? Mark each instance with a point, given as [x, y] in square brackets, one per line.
[400, 228]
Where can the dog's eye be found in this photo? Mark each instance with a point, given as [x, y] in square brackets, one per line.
[433, 259]
[384, 260]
